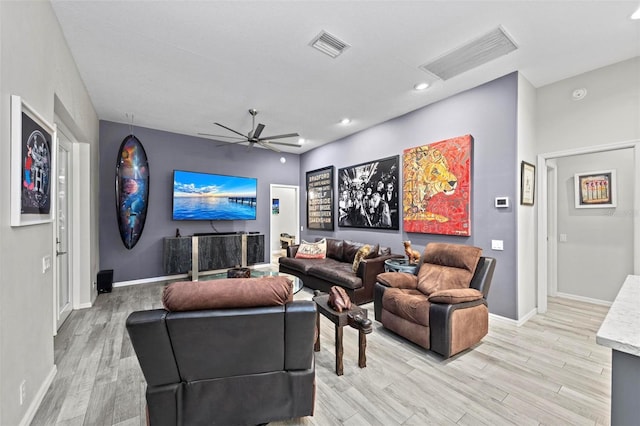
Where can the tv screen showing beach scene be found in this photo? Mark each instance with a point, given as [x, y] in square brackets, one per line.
[206, 196]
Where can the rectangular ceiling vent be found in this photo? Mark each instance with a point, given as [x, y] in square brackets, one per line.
[328, 44]
[471, 55]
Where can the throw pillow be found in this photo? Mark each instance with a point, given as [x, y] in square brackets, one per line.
[362, 253]
[317, 250]
[374, 252]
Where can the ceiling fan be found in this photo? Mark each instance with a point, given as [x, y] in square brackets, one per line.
[253, 137]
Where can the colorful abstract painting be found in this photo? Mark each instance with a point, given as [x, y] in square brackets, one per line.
[436, 196]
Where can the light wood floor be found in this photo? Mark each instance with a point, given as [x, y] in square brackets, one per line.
[549, 371]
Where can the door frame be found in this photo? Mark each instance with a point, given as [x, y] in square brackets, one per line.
[297, 214]
[68, 146]
[544, 161]
[552, 227]
[75, 247]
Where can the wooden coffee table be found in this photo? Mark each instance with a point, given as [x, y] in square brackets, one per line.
[355, 317]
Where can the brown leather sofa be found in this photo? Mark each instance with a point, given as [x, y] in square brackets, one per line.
[226, 366]
[443, 307]
[337, 268]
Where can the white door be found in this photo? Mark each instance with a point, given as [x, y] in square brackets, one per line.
[64, 303]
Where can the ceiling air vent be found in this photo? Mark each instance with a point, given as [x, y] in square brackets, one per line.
[471, 55]
[328, 44]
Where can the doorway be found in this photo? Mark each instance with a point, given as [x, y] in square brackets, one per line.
[547, 219]
[63, 238]
[285, 216]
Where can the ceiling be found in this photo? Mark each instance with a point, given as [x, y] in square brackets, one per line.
[180, 66]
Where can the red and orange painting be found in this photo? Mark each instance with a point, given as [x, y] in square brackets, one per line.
[436, 196]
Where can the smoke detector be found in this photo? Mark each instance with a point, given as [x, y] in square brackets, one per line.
[579, 94]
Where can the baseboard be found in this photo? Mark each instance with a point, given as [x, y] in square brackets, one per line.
[175, 277]
[39, 396]
[584, 299]
[83, 306]
[518, 322]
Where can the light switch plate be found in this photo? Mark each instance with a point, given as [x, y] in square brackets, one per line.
[497, 245]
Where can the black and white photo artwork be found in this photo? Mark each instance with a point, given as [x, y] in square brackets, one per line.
[368, 195]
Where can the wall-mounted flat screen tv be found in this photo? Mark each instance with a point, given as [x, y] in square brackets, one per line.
[206, 196]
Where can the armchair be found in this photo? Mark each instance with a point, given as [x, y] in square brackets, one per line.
[226, 365]
[443, 307]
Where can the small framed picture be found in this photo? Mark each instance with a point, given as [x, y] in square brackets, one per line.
[527, 183]
[595, 189]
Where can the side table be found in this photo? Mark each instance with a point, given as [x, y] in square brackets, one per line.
[356, 317]
[400, 265]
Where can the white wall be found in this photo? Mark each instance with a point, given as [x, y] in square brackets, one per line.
[35, 63]
[609, 113]
[526, 214]
[598, 254]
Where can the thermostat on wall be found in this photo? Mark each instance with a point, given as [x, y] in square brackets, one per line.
[502, 202]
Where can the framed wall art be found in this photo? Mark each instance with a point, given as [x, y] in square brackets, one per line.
[368, 195]
[33, 150]
[527, 183]
[595, 189]
[436, 192]
[320, 199]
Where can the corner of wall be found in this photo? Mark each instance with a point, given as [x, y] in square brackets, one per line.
[526, 215]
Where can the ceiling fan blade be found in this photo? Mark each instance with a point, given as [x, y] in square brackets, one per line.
[293, 145]
[288, 135]
[223, 143]
[221, 136]
[268, 146]
[258, 131]
[231, 130]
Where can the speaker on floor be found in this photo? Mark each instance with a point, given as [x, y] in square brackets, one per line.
[105, 281]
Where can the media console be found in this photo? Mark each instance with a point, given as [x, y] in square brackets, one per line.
[211, 252]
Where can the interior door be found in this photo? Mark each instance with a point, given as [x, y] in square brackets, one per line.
[63, 222]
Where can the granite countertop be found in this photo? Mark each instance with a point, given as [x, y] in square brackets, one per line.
[620, 329]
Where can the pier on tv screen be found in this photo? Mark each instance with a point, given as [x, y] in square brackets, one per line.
[207, 196]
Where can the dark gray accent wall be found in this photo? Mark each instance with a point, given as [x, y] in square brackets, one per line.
[489, 114]
[166, 152]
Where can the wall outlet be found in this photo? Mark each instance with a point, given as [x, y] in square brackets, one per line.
[46, 263]
[497, 245]
[23, 391]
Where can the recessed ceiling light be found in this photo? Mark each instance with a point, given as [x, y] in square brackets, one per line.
[636, 14]
[301, 141]
[283, 160]
[345, 120]
[421, 86]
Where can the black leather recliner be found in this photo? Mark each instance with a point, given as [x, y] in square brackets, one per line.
[226, 366]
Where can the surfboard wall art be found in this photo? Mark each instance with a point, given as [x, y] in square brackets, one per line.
[132, 190]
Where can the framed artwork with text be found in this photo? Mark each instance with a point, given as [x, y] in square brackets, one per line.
[320, 199]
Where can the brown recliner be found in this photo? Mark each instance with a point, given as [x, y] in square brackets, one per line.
[226, 365]
[442, 307]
